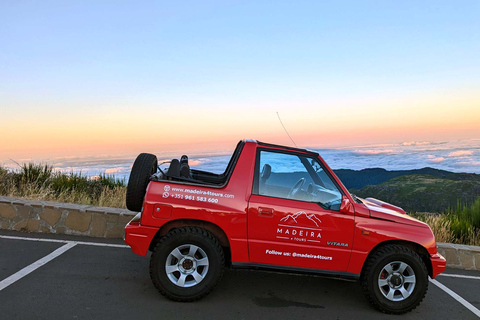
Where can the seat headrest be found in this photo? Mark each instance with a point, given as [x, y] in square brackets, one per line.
[174, 169]
[266, 171]
[185, 171]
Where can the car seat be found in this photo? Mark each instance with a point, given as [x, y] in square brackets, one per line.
[174, 169]
[185, 171]
[264, 175]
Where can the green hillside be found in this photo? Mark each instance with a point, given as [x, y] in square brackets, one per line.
[423, 193]
[358, 179]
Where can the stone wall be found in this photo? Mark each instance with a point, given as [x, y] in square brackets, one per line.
[460, 256]
[62, 218]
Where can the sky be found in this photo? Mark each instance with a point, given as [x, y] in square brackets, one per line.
[110, 79]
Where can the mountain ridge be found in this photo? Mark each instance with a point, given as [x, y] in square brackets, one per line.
[357, 179]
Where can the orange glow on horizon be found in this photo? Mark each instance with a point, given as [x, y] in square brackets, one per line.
[441, 117]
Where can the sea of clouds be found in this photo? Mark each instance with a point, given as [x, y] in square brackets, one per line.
[456, 156]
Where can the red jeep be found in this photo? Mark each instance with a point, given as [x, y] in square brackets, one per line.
[276, 208]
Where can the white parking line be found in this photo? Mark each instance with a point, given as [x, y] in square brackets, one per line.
[34, 266]
[37, 264]
[98, 244]
[455, 296]
[458, 276]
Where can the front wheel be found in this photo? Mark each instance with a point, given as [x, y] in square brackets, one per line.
[186, 264]
[395, 279]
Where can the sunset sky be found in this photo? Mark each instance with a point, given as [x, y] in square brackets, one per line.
[121, 77]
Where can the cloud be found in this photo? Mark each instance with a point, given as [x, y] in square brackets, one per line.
[373, 152]
[434, 149]
[414, 143]
[469, 164]
[215, 164]
[434, 159]
[460, 153]
[196, 162]
[113, 170]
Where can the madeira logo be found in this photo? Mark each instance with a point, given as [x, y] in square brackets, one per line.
[302, 217]
[300, 226]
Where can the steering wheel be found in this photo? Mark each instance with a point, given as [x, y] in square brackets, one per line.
[296, 188]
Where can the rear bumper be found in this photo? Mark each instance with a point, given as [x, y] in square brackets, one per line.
[439, 263]
[139, 237]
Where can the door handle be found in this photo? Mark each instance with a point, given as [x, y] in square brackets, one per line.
[265, 211]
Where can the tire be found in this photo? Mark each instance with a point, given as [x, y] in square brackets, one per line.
[387, 287]
[186, 264]
[144, 166]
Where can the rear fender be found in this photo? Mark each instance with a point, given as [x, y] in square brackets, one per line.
[211, 227]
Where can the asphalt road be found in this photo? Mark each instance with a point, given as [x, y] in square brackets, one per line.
[86, 281]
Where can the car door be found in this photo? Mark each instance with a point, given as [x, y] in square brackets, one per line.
[294, 217]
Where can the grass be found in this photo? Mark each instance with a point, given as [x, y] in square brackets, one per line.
[41, 182]
[459, 225]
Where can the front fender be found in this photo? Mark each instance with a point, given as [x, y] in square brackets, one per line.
[370, 232]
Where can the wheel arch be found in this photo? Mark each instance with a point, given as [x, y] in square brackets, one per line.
[209, 226]
[419, 249]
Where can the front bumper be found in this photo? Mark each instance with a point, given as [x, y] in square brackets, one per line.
[439, 263]
[139, 237]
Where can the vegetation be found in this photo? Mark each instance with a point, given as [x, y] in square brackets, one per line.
[423, 193]
[357, 179]
[453, 199]
[459, 225]
[41, 182]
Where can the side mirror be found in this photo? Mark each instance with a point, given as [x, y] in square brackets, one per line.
[346, 206]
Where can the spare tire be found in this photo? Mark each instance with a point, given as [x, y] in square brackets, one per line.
[144, 166]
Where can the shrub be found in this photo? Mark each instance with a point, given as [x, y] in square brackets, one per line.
[460, 225]
[41, 182]
[465, 219]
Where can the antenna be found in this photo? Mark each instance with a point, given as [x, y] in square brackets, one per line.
[278, 115]
[18, 164]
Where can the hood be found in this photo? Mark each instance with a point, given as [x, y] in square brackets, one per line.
[386, 211]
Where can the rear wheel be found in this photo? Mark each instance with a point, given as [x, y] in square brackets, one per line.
[395, 279]
[144, 166]
[186, 264]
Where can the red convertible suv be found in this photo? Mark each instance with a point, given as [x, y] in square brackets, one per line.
[275, 208]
